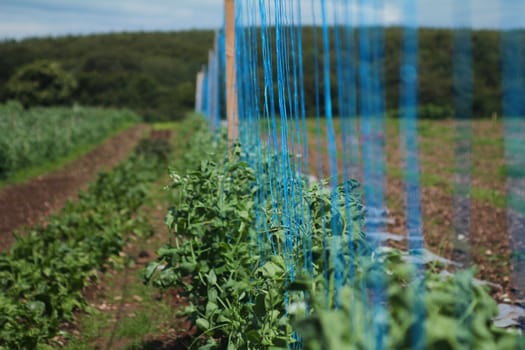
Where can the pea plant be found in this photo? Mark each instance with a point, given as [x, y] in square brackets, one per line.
[46, 270]
[238, 281]
[237, 296]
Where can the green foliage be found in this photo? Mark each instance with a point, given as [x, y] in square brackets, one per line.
[454, 312]
[151, 73]
[210, 210]
[240, 296]
[154, 73]
[43, 275]
[41, 83]
[157, 150]
[429, 111]
[237, 295]
[43, 134]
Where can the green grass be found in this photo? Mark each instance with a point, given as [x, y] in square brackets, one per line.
[435, 130]
[136, 328]
[488, 142]
[394, 172]
[92, 325]
[46, 167]
[432, 136]
[430, 179]
[165, 125]
[147, 319]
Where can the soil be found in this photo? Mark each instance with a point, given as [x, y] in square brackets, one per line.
[119, 293]
[31, 202]
[487, 243]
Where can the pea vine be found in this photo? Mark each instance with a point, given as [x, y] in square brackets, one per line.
[242, 298]
[43, 275]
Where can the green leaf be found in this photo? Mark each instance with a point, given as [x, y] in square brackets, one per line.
[260, 309]
[243, 214]
[212, 278]
[270, 270]
[202, 324]
[37, 307]
[169, 219]
[253, 336]
[281, 342]
[212, 294]
[150, 270]
[208, 346]
[211, 307]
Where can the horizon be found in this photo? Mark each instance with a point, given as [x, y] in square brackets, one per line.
[30, 19]
[167, 32]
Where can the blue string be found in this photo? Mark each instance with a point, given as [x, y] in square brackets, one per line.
[368, 107]
[319, 153]
[205, 91]
[283, 151]
[513, 89]
[304, 168]
[463, 97]
[269, 104]
[378, 113]
[408, 126]
[271, 37]
[332, 149]
[261, 193]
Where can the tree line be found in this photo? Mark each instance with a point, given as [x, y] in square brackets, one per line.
[154, 72]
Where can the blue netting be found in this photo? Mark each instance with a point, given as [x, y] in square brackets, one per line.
[344, 137]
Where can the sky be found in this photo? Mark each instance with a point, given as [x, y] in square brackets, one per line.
[30, 18]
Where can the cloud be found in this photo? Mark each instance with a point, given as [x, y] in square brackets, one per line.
[22, 18]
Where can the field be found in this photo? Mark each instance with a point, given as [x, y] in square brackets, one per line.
[238, 292]
[47, 269]
[490, 244]
[151, 227]
[195, 264]
[39, 136]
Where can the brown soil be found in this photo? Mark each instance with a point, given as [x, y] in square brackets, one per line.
[488, 245]
[31, 202]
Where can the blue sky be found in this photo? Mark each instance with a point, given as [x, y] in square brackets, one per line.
[23, 18]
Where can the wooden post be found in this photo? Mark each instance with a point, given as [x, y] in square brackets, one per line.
[198, 92]
[231, 73]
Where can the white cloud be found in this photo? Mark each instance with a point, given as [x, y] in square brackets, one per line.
[21, 18]
[392, 14]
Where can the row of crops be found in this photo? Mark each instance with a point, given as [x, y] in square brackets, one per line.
[279, 258]
[38, 135]
[254, 284]
[43, 275]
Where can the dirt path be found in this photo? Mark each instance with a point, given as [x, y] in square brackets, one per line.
[29, 203]
[129, 315]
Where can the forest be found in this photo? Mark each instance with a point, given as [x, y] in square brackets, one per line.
[154, 73]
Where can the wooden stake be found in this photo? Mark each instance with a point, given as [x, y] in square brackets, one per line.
[198, 92]
[231, 73]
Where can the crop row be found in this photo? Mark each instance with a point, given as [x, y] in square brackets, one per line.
[34, 136]
[254, 284]
[46, 270]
